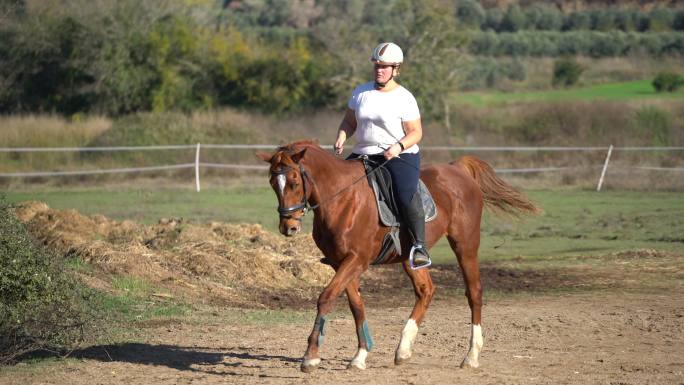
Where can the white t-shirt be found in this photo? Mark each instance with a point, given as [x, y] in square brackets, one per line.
[379, 117]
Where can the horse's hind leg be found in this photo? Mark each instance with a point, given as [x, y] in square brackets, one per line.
[467, 259]
[359, 312]
[424, 290]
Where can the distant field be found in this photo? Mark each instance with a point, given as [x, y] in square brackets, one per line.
[639, 89]
[574, 223]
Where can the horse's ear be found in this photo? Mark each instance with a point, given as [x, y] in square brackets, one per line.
[298, 156]
[264, 156]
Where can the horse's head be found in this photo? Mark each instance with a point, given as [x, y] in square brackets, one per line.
[289, 181]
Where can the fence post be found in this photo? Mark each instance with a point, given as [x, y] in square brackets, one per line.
[605, 167]
[197, 181]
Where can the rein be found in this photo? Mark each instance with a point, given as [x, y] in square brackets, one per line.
[286, 212]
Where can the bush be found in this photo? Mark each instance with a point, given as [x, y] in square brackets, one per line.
[566, 72]
[667, 82]
[653, 124]
[41, 307]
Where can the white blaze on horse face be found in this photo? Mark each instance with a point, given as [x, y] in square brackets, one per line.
[281, 183]
[408, 337]
[472, 358]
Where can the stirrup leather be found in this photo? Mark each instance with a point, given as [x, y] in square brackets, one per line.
[412, 255]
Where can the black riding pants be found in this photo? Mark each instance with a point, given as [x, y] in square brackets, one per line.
[405, 172]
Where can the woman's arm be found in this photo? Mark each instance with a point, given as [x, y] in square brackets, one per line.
[347, 129]
[414, 133]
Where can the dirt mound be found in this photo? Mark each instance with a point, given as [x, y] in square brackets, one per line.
[214, 262]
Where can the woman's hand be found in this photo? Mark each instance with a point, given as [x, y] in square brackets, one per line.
[339, 145]
[393, 151]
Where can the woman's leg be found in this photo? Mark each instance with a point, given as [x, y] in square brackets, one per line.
[405, 174]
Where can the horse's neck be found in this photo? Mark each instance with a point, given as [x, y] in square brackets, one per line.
[331, 174]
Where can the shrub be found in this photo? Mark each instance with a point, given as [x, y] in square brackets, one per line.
[653, 124]
[667, 81]
[41, 306]
[566, 72]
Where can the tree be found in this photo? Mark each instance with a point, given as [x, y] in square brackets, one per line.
[667, 82]
[660, 19]
[470, 13]
[577, 21]
[434, 58]
[548, 18]
[514, 20]
[678, 21]
[566, 72]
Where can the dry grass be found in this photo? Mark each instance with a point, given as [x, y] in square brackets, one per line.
[597, 70]
[50, 130]
[210, 263]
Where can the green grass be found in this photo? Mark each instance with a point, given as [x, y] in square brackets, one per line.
[135, 301]
[129, 308]
[235, 205]
[639, 89]
[132, 286]
[574, 222]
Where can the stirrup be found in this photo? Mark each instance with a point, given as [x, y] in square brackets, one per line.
[412, 254]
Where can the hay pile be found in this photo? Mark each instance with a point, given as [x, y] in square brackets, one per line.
[213, 263]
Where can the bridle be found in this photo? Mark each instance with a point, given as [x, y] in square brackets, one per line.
[303, 205]
[286, 212]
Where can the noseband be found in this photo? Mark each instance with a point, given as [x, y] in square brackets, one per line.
[286, 212]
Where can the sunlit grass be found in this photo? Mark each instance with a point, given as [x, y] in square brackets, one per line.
[625, 91]
[574, 222]
[50, 130]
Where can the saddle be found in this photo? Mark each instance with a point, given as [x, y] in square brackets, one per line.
[380, 180]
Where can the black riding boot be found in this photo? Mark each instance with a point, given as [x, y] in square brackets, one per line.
[414, 218]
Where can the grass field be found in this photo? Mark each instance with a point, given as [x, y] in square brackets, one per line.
[633, 90]
[574, 222]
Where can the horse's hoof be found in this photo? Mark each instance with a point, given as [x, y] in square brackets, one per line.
[468, 364]
[356, 365]
[401, 360]
[309, 366]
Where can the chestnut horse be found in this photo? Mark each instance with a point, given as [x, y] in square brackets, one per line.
[347, 229]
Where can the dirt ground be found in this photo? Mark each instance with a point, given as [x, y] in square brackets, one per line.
[596, 337]
[613, 320]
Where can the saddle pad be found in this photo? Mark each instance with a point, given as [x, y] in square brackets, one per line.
[388, 218]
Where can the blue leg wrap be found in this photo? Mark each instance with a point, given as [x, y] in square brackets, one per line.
[365, 333]
[320, 324]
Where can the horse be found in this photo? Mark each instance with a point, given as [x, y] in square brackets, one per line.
[347, 230]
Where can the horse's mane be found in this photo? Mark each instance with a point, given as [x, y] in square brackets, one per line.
[292, 146]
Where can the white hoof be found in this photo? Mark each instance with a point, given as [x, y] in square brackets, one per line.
[470, 363]
[359, 360]
[401, 357]
[357, 365]
[471, 359]
[408, 338]
[309, 366]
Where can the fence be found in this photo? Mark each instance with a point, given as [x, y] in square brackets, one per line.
[197, 164]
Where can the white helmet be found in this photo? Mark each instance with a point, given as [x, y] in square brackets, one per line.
[387, 53]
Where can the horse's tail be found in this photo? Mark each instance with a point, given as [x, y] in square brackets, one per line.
[497, 194]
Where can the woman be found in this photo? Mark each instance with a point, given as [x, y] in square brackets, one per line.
[386, 118]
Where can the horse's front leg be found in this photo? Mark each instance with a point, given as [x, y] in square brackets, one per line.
[350, 269]
[467, 259]
[362, 332]
[424, 290]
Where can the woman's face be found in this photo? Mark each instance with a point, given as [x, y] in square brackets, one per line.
[383, 72]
